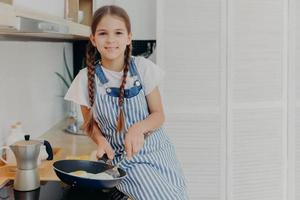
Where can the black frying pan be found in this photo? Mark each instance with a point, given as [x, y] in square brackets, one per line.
[62, 169]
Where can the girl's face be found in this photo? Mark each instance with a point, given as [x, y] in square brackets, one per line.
[111, 37]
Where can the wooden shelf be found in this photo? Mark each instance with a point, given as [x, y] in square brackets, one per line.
[9, 25]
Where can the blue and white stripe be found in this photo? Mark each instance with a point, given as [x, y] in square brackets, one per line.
[154, 173]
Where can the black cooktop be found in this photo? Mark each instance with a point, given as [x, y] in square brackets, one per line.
[56, 190]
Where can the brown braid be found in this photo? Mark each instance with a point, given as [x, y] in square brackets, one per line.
[121, 118]
[90, 61]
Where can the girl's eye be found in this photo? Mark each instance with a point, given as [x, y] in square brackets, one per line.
[102, 33]
[119, 33]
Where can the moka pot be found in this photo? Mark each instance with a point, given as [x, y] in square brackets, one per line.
[26, 153]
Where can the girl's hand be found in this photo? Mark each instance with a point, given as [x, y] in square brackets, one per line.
[134, 140]
[104, 147]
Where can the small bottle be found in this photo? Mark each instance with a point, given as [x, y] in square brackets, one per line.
[13, 136]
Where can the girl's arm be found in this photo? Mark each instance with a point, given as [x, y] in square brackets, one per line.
[134, 139]
[156, 117]
[97, 136]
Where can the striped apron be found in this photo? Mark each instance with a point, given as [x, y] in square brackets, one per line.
[154, 173]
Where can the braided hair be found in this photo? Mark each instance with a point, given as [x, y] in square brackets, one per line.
[121, 118]
[91, 57]
[91, 52]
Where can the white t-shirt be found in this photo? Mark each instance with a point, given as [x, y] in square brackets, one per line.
[150, 74]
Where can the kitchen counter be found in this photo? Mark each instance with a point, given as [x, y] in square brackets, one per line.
[70, 144]
[64, 145]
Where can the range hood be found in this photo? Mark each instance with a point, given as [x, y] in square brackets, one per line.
[29, 25]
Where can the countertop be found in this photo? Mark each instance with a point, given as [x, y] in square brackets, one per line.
[64, 145]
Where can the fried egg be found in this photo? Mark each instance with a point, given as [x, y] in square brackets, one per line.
[80, 173]
[98, 176]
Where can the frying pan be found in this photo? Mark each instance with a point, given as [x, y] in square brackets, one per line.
[63, 168]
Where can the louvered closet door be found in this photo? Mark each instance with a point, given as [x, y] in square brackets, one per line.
[256, 101]
[189, 51]
[296, 80]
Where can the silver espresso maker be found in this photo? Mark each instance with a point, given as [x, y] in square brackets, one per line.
[26, 153]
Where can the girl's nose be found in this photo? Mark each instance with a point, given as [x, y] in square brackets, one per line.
[110, 38]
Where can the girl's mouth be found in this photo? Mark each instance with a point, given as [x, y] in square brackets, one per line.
[109, 48]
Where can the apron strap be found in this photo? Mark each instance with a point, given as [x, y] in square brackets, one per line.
[100, 74]
[133, 70]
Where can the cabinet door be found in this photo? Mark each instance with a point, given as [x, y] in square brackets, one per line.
[142, 14]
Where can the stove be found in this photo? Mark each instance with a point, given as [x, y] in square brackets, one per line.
[56, 190]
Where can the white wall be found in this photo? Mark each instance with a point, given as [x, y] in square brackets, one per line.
[30, 91]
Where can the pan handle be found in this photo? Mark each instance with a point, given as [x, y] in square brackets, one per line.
[104, 159]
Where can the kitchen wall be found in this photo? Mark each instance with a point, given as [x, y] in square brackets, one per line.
[30, 91]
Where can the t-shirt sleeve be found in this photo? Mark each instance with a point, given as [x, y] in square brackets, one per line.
[78, 90]
[151, 74]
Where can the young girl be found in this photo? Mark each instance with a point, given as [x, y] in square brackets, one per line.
[121, 103]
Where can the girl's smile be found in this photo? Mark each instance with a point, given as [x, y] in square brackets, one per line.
[111, 48]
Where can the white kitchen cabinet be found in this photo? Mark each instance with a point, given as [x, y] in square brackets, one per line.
[142, 14]
[55, 8]
[13, 24]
